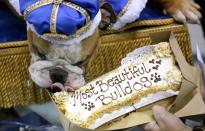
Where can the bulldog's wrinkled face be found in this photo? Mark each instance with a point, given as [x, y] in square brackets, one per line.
[57, 74]
[54, 66]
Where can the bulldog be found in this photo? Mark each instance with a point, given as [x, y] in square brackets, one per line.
[59, 66]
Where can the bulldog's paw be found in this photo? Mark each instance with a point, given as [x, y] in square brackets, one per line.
[106, 19]
[108, 15]
[182, 10]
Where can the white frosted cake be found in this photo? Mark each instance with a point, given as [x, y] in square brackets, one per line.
[138, 83]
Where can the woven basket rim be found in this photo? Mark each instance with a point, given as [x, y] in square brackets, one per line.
[140, 33]
[13, 44]
[143, 23]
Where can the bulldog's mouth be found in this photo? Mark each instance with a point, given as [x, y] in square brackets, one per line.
[60, 87]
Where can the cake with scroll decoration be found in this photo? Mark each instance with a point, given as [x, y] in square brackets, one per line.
[143, 78]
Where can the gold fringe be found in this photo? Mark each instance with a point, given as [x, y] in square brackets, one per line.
[13, 44]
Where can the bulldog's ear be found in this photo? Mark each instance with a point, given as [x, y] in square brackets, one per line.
[108, 15]
[32, 48]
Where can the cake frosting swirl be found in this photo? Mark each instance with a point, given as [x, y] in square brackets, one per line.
[163, 49]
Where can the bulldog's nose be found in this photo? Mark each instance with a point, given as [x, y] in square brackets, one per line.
[58, 75]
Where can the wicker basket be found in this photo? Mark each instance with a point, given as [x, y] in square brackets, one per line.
[18, 89]
[16, 86]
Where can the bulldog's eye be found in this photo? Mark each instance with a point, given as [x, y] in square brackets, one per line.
[42, 56]
[78, 63]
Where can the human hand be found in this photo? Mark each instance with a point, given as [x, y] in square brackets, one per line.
[183, 10]
[165, 121]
